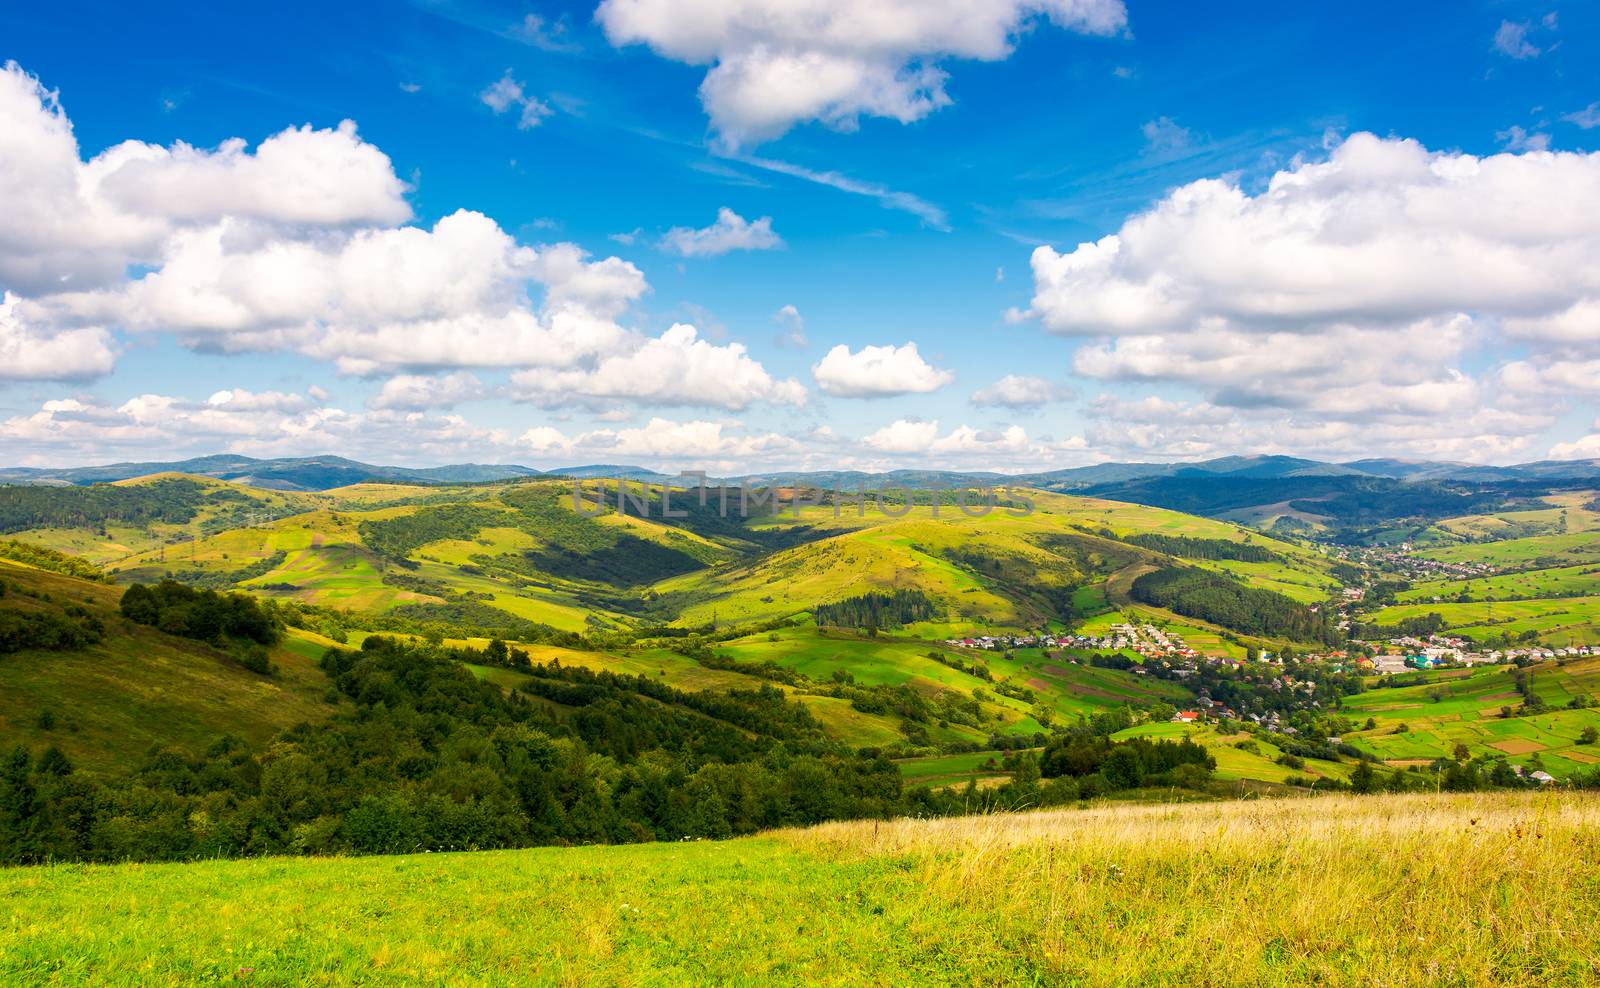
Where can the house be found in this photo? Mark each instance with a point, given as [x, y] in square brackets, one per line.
[1186, 717]
[1542, 777]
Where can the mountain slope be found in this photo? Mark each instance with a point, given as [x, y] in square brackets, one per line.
[108, 702]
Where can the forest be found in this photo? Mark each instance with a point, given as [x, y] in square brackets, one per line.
[876, 611]
[424, 756]
[1197, 548]
[204, 615]
[173, 501]
[1222, 600]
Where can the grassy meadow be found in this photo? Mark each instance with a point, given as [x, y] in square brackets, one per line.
[1396, 890]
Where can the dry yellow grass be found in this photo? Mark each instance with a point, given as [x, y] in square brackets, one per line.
[1409, 890]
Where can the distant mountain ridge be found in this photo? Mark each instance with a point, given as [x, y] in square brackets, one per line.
[313, 473]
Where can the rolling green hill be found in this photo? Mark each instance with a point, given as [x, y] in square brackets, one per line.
[521, 549]
[703, 602]
[106, 703]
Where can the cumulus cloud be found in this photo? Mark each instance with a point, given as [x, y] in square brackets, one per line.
[455, 295]
[729, 233]
[1157, 428]
[698, 440]
[1383, 231]
[1366, 290]
[237, 421]
[1583, 448]
[775, 63]
[70, 225]
[300, 245]
[1021, 391]
[507, 96]
[921, 439]
[676, 368]
[29, 354]
[413, 392]
[877, 372]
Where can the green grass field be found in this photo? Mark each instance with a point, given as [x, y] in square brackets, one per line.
[1471, 890]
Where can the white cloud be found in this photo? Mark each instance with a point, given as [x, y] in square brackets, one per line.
[1368, 298]
[412, 392]
[1343, 371]
[1511, 40]
[1583, 448]
[1165, 136]
[1157, 428]
[545, 35]
[1588, 118]
[70, 225]
[692, 442]
[237, 421]
[1384, 231]
[1021, 391]
[455, 295]
[507, 95]
[1515, 138]
[297, 247]
[903, 436]
[878, 371]
[921, 440]
[677, 368]
[775, 63]
[930, 214]
[30, 355]
[730, 232]
[792, 327]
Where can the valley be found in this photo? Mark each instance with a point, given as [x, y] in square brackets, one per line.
[700, 600]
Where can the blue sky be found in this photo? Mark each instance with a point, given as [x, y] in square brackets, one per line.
[906, 164]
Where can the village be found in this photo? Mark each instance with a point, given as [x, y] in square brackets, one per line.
[1146, 640]
[1399, 560]
[1382, 657]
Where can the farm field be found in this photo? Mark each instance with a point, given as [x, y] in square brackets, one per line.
[1497, 890]
[1567, 513]
[1566, 581]
[1535, 552]
[953, 770]
[1558, 621]
[1464, 706]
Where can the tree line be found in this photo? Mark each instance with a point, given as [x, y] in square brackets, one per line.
[1197, 548]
